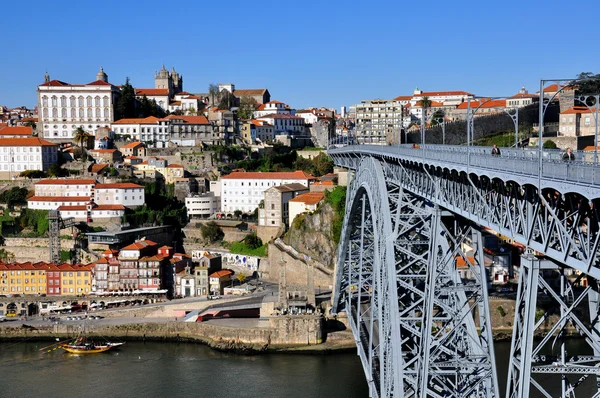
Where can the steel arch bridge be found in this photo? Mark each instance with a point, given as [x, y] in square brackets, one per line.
[421, 329]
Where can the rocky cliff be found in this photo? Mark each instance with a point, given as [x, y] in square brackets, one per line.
[313, 234]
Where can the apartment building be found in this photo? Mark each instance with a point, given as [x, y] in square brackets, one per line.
[245, 190]
[20, 154]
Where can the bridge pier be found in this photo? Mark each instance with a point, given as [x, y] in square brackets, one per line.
[539, 341]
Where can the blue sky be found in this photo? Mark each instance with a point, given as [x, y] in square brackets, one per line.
[309, 53]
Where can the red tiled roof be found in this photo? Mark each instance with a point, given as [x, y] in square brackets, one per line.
[488, 104]
[59, 199]
[275, 175]
[103, 151]
[53, 83]
[97, 207]
[189, 119]
[523, 96]
[433, 104]
[134, 144]
[310, 198]
[18, 130]
[24, 141]
[96, 168]
[138, 120]
[248, 92]
[219, 274]
[122, 185]
[403, 98]
[572, 110]
[142, 244]
[174, 166]
[66, 182]
[152, 91]
[99, 83]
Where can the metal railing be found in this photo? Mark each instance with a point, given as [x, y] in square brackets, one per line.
[524, 162]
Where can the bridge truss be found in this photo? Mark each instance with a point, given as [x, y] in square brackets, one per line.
[423, 329]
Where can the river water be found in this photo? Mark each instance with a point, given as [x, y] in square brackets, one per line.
[185, 370]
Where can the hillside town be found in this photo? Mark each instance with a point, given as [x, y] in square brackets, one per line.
[100, 167]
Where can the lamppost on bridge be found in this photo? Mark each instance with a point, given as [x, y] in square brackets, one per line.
[430, 118]
[586, 99]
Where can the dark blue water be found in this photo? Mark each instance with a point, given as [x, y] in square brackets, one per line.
[175, 370]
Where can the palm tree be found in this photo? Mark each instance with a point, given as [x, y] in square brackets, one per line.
[80, 137]
[425, 104]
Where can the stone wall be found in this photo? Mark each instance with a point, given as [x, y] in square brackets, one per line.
[266, 234]
[33, 249]
[296, 270]
[282, 332]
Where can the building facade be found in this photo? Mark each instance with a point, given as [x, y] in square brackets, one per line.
[63, 107]
[275, 212]
[245, 190]
[20, 154]
[202, 205]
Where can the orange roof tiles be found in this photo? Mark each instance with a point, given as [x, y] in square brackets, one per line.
[488, 104]
[221, 273]
[275, 175]
[98, 167]
[189, 119]
[53, 83]
[59, 199]
[252, 91]
[67, 182]
[310, 198]
[99, 83]
[122, 185]
[25, 142]
[138, 120]
[572, 110]
[18, 130]
[152, 91]
[102, 151]
[134, 144]
[141, 244]
[403, 98]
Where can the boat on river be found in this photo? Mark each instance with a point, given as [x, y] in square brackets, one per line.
[81, 345]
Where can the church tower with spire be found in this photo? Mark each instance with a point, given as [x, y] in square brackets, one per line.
[46, 77]
[163, 80]
[177, 81]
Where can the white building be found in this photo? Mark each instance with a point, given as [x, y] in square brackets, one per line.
[158, 133]
[82, 212]
[245, 190]
[284, 123]
[202, 206]
[273, 107]
[21, 154]
[64, 107]
[126, 194]
[186, 103]
[52, 194]
[306, 202]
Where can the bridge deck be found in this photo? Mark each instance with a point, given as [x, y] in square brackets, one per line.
[514, 164]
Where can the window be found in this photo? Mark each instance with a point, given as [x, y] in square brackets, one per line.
[89, 101]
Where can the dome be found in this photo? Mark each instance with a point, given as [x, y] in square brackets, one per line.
[102, 76]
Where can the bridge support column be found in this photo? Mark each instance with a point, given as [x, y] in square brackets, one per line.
[549, 304]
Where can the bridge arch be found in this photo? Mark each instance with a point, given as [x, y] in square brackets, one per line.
[365, 284]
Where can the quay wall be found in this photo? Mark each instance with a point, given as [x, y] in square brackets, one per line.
[282, 332]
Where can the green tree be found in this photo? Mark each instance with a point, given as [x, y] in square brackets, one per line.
[81, 138]
[14, 196]
[322, 164]
[425, 105]
[33, 174]
[252, 241]
[6, 256]
[211, 232]
[30, 123]
[237, 213]
[56, 171]
[591, 84]
[549, 144]
[247, 107]
[125, 107]
[435, 118]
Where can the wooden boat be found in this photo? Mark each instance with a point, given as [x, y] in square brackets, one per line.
[82, 346]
